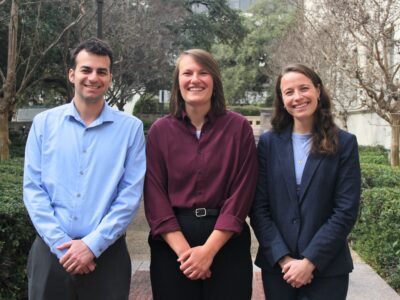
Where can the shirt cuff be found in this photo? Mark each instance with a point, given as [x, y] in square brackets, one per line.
[53, 248]
[96, 243]
[164, 225]
[231, 223]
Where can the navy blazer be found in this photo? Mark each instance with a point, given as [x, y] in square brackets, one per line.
[315, 224]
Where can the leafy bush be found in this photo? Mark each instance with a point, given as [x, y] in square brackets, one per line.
[374, 175]
[147, 104]
[375, 150]
[16, 231]
[374, 159]
[376, 236]
[374, 155]
[246, 110]
[17, 146]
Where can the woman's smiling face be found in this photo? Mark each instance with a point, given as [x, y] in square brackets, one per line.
[195, 82]
[300, 96]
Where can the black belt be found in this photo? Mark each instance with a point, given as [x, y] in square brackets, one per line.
[197, 212]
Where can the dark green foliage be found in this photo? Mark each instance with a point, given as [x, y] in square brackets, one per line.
[246, 110]
[374, 159]
[18, 140]
[376, 236]
[374, 155]
[375, 150]
[16, 232]
[246, 66]
[146, 125]
[375, 175]
[207, 22]
[147, 104]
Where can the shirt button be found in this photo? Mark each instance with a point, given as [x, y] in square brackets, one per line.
[75, 218]
[295, 221]
[81, 172]
[84, 151]
[78, 195]
[198, 151]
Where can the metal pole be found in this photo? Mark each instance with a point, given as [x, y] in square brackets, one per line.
[100, 18]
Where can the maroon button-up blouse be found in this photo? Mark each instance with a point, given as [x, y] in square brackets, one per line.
[219, 170]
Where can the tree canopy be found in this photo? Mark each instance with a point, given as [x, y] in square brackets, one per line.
[245, 66]
[146, 36]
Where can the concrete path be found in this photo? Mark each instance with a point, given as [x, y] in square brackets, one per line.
[365, 284]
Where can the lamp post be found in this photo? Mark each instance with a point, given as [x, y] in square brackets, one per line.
[100, 18]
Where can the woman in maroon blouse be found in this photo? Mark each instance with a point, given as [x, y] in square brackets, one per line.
[200, 181]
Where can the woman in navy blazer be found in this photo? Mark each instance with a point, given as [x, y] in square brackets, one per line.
[307, 195]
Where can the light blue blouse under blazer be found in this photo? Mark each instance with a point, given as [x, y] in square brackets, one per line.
[301, 149]
[83, 181]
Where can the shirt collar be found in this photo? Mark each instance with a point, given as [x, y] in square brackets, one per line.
[210, 117]
[106, 114]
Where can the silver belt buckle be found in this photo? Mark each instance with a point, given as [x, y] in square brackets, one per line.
[200, 212]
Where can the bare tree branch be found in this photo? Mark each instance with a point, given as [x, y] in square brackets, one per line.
[29, 75]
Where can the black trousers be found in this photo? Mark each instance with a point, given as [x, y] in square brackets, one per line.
[321, 288]
[232, 268]
[48, 280]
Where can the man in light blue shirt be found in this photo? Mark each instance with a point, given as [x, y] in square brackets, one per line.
[83, 179]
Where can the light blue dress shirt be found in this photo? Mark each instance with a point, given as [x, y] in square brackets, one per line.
[83, 182]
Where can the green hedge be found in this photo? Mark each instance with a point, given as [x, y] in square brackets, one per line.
[16, 231]
[371, 158]
[17, 147]
[374, 175]
[376, 236]
[376, 150]
[374, 155]
[246, 110]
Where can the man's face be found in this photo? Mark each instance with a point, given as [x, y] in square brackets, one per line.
[91, 77]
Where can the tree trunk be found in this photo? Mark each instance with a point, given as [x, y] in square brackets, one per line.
[7, 101]
[4, 140]
[394, 145]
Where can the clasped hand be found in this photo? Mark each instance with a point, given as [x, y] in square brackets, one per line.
[196, 262]
[78, 259]
[297, 272]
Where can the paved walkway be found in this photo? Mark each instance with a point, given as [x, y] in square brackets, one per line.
[365, 284]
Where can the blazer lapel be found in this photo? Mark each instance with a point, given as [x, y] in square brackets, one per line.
[311, 166]
[284, 148]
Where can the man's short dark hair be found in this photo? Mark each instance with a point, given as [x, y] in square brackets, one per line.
[92, 45]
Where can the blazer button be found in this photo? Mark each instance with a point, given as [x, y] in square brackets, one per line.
[295, 221]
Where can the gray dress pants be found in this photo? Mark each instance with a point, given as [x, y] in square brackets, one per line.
[48, 280]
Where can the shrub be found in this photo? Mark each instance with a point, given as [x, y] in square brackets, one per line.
[246, 110]
[374, 175]
[376, 236]
[371, 158]
[375, 150]
[17, 146]
[16, 231]
[374, 155]
[147, 104]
